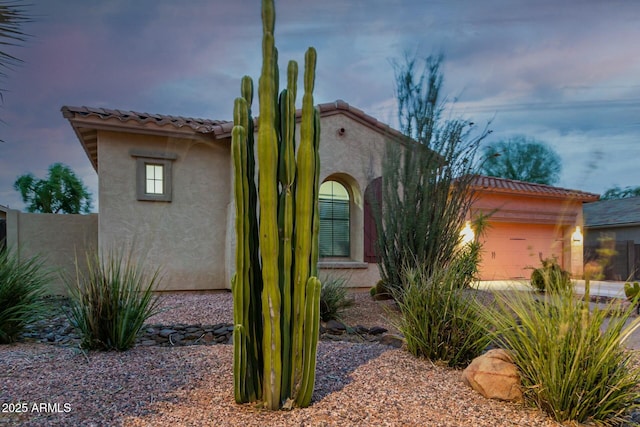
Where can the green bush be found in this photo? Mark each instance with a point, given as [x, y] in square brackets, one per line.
[573, 365]
[632, 292]
[110, 304]
[550, 277]
[22, 286]
[333, 297]
[440, 320]
[464, 265]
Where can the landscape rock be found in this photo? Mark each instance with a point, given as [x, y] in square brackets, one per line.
[335, 326]
[377, 330]
[494, 376]
[57, 330]
[392, 340]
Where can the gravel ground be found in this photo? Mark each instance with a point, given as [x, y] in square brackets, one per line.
[356, 384]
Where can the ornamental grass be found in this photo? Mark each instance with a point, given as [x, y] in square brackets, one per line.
[109, 304]
[22, 288]
[440, 318]
[572, 360]
[334, 298]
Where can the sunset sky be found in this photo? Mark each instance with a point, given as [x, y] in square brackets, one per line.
[564, 72]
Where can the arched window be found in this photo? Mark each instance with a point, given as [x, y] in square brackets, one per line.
[334, 220]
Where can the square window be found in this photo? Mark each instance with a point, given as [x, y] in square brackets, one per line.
[153, 175]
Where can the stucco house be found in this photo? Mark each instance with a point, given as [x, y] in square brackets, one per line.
[165, 185]
[615, 222]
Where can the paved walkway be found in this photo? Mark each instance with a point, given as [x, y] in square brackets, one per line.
[600, 288]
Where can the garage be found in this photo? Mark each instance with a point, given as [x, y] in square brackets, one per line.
[513, 250]
[527, 223]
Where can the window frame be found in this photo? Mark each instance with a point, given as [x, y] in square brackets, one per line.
[348, 221]
[144, 158]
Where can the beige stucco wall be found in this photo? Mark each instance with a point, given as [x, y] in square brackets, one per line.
[350, 153]
[58, 239]
[185, 238]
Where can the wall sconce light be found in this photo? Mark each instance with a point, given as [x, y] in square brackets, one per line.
[467, 234]
[576, 237]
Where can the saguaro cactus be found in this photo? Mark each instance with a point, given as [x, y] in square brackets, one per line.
[276, 292]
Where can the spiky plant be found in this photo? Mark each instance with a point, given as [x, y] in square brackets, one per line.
[109, 304]
[572, 361]
[22, 286]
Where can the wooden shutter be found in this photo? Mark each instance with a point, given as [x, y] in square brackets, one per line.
[372, 206]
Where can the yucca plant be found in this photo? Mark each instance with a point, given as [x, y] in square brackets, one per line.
[109, 304]
[334, 298]
[22, 288]
[440, 320]
[573, 365]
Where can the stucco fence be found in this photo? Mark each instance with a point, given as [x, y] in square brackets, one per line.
[58, 239]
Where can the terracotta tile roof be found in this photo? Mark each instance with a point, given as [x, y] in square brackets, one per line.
[619, 212]
[221, 128]
[503, 185]
[87, 120]
[198, 125]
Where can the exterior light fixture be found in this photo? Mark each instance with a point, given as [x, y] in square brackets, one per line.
[467, 234]
[576, 237]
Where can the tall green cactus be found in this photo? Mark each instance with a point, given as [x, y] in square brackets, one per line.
[275, 289]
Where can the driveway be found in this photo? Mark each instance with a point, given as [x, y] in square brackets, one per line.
[600, 288]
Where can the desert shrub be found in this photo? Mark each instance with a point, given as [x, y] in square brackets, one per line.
[550, 277]
[573, 365]
[333, 297]
[464, 265]
[109, 305]
[439, 319]
[632, 292]
[22, 287]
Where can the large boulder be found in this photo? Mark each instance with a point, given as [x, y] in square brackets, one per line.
[494, 375]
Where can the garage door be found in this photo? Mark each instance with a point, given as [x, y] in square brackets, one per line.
[510, 251]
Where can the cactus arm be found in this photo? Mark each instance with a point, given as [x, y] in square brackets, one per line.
[312, 329]
[239, 366]
[316, 211]
[254, 333]
[268, 196]
[304, 212]
[287, 168]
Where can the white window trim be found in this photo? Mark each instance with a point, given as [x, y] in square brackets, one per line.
[144, 158]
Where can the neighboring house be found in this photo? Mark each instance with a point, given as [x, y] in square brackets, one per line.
[528, 223]
[166, 186]
[615, 224]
